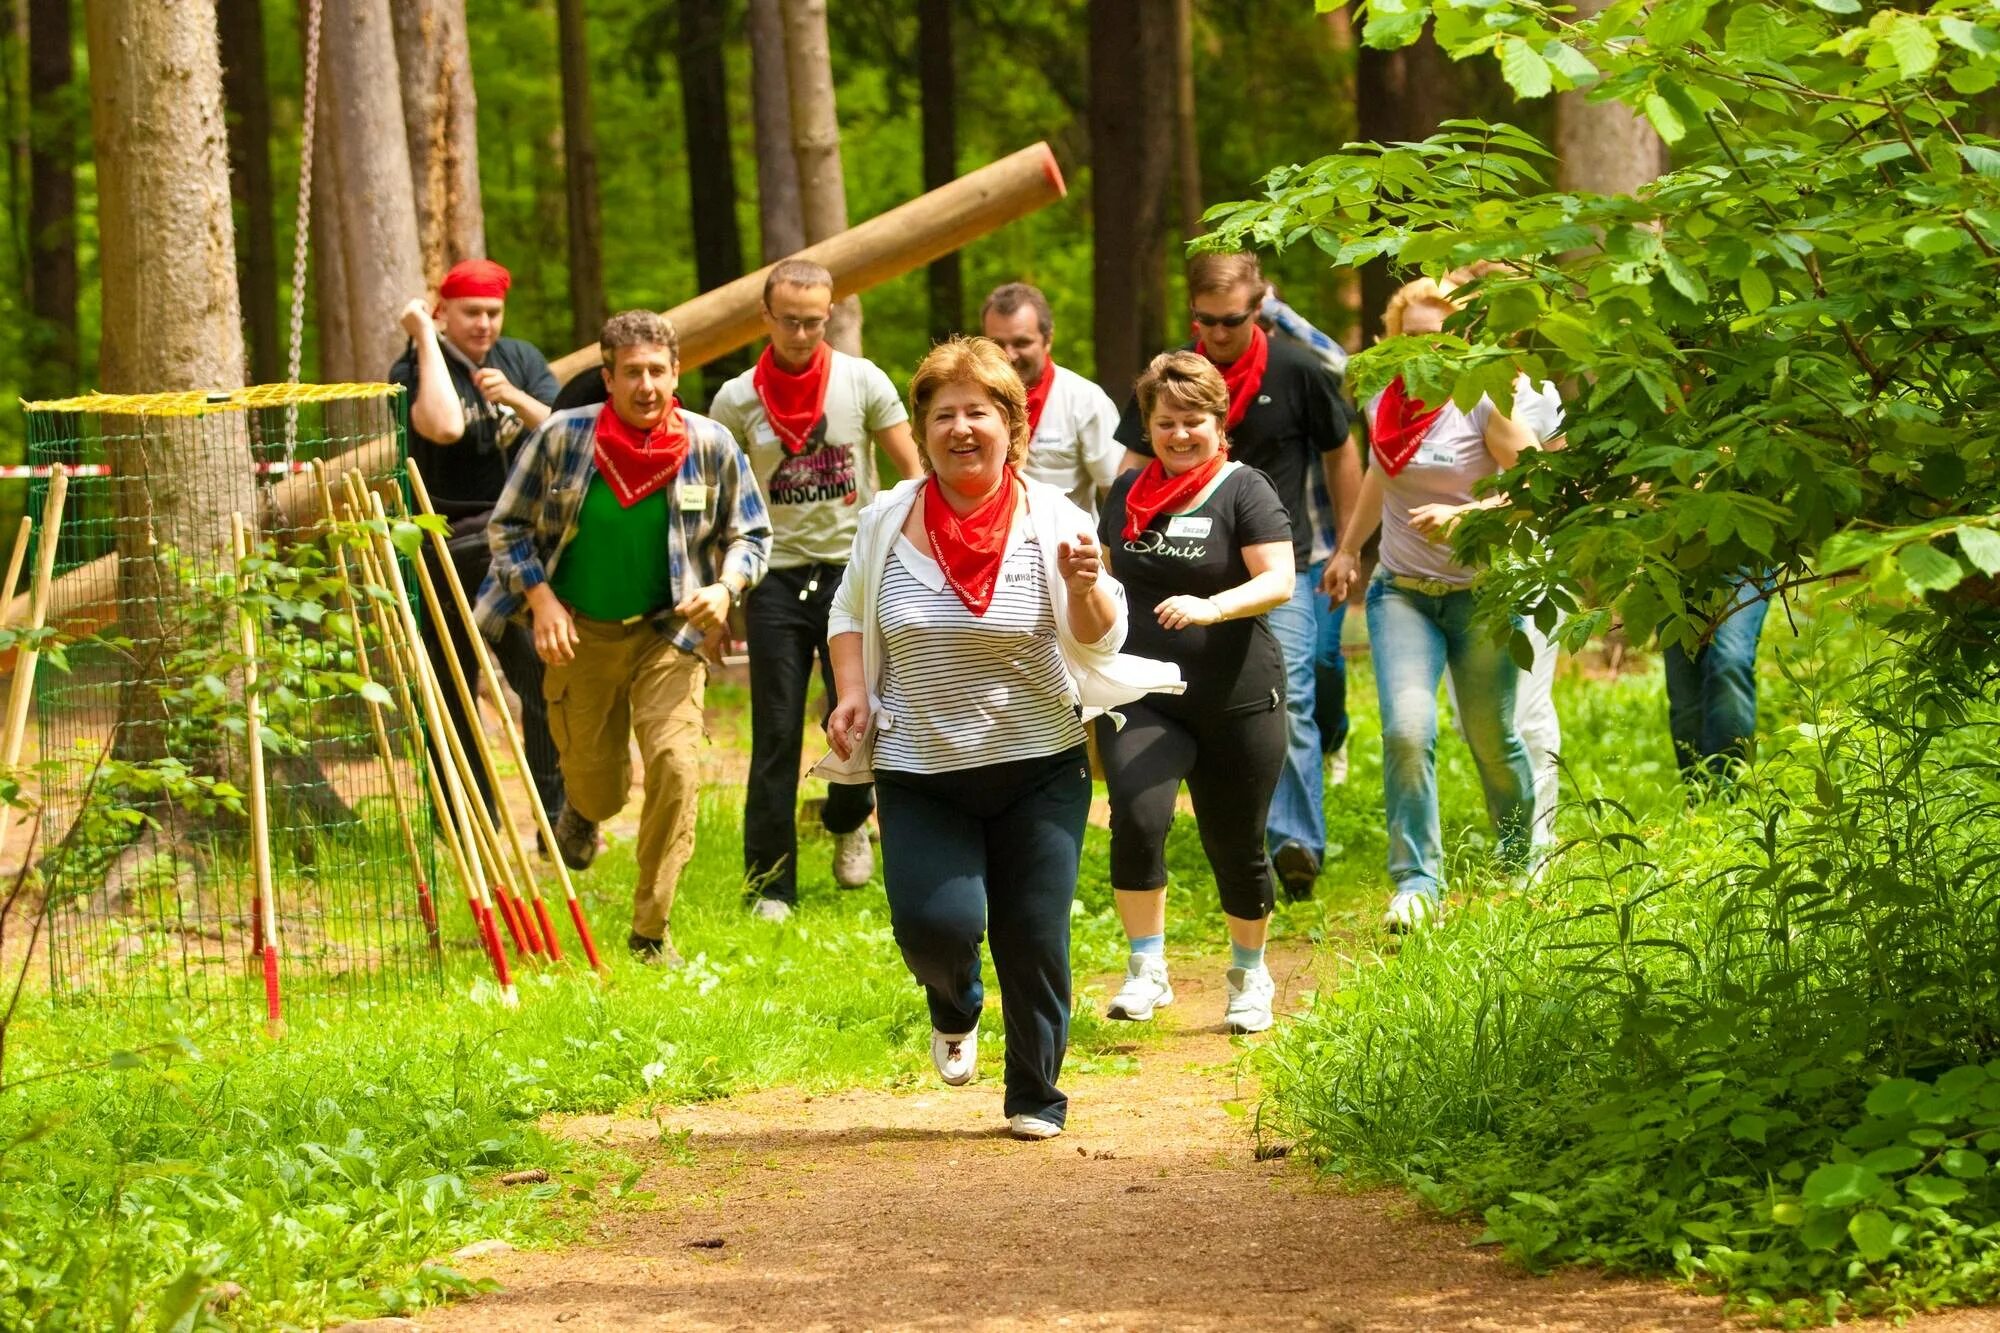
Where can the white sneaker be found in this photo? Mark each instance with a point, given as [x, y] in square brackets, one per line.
[1251, 991]
[1032, 1127]
[956, 1057]
[1411, 910]
[853, 858]
[1336, 768]
[772, 910]
[1145, 989]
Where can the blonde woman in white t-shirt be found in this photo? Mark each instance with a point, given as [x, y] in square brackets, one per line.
[1426, 463]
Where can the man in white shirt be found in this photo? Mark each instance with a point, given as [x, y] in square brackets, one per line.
[1072, 424]
[809, 418]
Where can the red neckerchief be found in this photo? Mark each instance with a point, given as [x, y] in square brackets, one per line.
[1154, 491]
[1401, 422]
[970, 549]
[793, 399]
[634, 462]
[1243, 376]
[1038, 396]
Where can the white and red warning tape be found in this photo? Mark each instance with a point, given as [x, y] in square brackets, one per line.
[39, 471]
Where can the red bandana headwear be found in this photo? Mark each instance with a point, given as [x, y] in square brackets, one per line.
[1155, 492]
[793, 399]
[971, 549]
[1243, 376]
[1038, 395]
[1400, 424]
[475, 277]
[635, 462]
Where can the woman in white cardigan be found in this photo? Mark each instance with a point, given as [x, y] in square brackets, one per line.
[975, 630]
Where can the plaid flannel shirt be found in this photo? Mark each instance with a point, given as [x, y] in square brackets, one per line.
[535, 519]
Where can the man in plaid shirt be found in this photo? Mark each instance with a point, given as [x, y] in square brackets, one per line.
[625, 533]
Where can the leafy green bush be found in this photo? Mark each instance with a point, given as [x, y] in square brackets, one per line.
[1753, 1045]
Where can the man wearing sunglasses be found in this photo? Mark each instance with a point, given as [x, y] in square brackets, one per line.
[1286, 418]
[810, 419]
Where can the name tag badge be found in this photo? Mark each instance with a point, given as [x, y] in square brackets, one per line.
[1187, 525]
[690, 496]
[1435, 455]
[763, 434]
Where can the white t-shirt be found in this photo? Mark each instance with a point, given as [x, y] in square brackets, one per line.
[1075, 447]
[815, 496]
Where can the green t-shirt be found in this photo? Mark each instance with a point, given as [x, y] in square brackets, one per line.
[618, 565]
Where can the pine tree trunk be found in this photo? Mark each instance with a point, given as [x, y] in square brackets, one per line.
[1400, 95]
[247, 95]
[362, 110]
[1187, 143]
[1603, 146]
[816, 145]
[440, 111]
[327, 264]
[53, 361]
[937, 92]
[1131, 164]
[781, 220]
[586, 231]
[718, 245]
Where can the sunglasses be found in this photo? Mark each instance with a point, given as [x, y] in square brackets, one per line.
[1234, 321]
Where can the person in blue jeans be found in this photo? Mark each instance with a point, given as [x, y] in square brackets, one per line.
[1712, 693]
[1421, 603]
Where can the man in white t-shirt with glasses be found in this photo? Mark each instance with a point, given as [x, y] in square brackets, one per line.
[810, 418]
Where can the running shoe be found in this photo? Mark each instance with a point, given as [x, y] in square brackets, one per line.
[853, 858]
[1251, 991]
[1032, 1127]
[956, 1057]
[1297, 867]
[1411, 910]
[1145, 989]
[773, 910]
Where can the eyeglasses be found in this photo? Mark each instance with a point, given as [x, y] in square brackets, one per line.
[813, 325]
[1234, 321]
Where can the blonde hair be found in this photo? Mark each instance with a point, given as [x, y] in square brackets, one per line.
[1424, 291]
[979, 362]
[1185, 379]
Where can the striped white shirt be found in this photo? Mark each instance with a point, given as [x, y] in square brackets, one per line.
[964, 691]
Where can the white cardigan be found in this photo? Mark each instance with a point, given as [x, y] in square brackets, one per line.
[1101, 678]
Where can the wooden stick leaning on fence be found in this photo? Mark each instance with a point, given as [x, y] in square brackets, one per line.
[469, 701]
[265, 904]
[514, 743]
[433, 700]
[22, 693]
[383, 749]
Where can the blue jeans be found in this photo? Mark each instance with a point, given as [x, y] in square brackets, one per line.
[1329, 668]
[1297, 812]
[1712, 695]
[1413, 637]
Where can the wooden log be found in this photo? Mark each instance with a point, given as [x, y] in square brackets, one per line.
[906, 237]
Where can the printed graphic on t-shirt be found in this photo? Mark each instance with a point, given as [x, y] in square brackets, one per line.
[1152, 541]
[815, 473]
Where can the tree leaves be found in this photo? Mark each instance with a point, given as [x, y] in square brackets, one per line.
[1524, 69]
[1910, 40]
[1840, 1184]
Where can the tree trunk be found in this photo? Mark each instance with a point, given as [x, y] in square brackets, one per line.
[1131, 161]
[816, 145]
[1603, 146]
[327, 264]
[781, 220]
[52, 362]
[1400, 95]
[1187, 143]
[937, 82]
[247, 95]
[718, 245]
[440, 114]
[363, 118]
[586, 230]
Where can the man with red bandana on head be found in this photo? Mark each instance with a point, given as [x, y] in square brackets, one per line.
[810, 419]
[1286, 417]
[473, 396]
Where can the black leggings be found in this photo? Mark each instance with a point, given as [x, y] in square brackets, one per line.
[1230, 762]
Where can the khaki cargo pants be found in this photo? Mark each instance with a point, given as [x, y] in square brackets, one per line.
[627, 680]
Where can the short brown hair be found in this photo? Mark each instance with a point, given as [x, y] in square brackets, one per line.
[979, 362]
[1211, 273]
[1423, 291]
[795, 273]
[1185, 379]
[637, 328]
[1010, 297]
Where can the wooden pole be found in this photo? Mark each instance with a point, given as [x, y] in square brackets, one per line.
[21, 693]
[266, 905]
[906, 237]
[518, 751]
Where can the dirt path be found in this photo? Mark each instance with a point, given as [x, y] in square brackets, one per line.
[895, 1210]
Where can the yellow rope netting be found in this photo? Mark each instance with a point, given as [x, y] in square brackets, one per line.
[199, 403]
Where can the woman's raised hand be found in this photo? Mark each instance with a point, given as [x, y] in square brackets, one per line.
[1080, 561]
